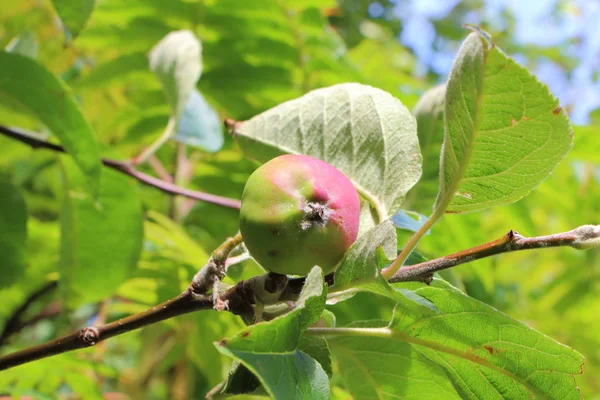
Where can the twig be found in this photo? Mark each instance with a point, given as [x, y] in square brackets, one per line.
[214, 270]
[584, 237]
[89, 336]
[160, 169]
[13, 325]
[127, 169]
[240, 299]
[275, 288]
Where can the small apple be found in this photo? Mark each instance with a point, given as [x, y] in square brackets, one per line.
[297, 212]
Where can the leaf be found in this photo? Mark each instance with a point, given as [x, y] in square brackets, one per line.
[318, 349]
[25, 44]
[100, 240]
[365, 132]
[269, 349]
[485, 351]
[200, 125]
[50, 100]
[465, 344]
[360, 264]
[429, 113]
[13, 233]
[380, 368]
[177, 62]
[74, 14]
[505, 132]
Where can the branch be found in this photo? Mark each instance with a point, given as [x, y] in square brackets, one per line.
[239, 298]
[581, 238]
[13, 325]
[127, 169]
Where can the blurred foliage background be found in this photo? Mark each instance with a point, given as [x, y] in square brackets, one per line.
[256, 55]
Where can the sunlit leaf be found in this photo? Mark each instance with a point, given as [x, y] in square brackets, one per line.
[484, 350]
[505, 131]
[471, 350]
[365, 132]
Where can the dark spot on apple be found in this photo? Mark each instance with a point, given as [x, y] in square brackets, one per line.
[273, 253]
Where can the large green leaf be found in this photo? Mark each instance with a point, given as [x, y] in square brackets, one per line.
[504, 130]
[101, 239]
[270, 349]
[74, 15]
[481, 350]
[13, 233]
[365, 132]
[49, 99]
[380, 368]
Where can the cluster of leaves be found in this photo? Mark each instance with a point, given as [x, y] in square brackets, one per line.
[138, 80]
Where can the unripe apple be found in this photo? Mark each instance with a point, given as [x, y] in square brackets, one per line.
[298, 212]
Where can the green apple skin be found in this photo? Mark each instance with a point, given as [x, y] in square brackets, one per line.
[297, 212]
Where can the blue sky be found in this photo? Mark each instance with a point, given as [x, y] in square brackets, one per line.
[573, 26]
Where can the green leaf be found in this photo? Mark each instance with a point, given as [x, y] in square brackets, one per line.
[361, 263]
[270, 349]
[101, 239]
[380, 368]
[13, 233]
[74, 14]
[318, 349]
[200, 125]
[49, 99]
[483, 350]
[505, 131]
[25, 44]
[429, 113]
[177, 61]
[365, 132]
[471, 349]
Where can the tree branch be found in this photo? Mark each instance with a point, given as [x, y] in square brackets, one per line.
[584, 237]
[275, 288]
[127, 169]
[12, 324]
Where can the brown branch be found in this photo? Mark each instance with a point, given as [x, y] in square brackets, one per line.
[584, 237]
[127, 169]
[239, 298]
[89, 336]
[13, 324]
